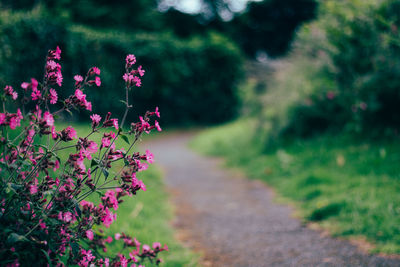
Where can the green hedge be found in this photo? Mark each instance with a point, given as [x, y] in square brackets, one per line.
[192, 81]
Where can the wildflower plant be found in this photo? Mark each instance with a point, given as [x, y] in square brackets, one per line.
[46, 217]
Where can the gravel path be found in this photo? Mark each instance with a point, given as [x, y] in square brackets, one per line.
[235, 222]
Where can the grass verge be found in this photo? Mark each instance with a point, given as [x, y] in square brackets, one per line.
[348, 186]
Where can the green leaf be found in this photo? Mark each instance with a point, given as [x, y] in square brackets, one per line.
[94, 162]
[125, 138]
[75, 249]
[47, 257]
[14, 238]
[105, 172]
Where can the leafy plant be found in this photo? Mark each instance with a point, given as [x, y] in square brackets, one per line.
[45, 217]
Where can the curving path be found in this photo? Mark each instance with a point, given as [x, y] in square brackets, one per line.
[235, 222]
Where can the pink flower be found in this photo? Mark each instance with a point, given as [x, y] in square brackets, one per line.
[363, 105]
[56, 165]
[123, 261]
[157, 125]
[78, 78]
[110, 200]
[141, 71]
[105, 142]
[80, 95]
[149, 156]
[108, 239]
[2, 118]
[137, 81]
[54, 134]
[36, 94]
[14, 95]
[95, 120]
[57, 53]
[53, 96]
[117, 236]
[115, 123]
[96, 70]
[108, 218]
[68, 134]
[48, 118]
[34, 83]
[330, 95]
[13, 123]
[33, 189]
[145, 248]
[87, 205]
[88, 106]
[59, 78]
[156, 245]
[24, 85]
[42, 225]
[157, 112]
[89, 234]
[130, 60]
[97, 80]
[127, 77]
[66, 216]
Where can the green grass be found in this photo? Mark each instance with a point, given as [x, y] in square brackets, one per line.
[350, 187]
[146, 216]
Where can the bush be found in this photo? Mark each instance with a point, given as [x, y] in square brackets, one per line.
[357, 47]
[189, 76]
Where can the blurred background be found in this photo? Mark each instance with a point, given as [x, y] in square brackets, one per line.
[312, 86]
[195, 51]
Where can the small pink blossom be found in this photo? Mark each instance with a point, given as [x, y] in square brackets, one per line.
[145, 248]
[59, 78]
[78, 78]
[24, 85]
[115, 123]
[108, 218]
[36, 94]
[53, 96]
[130, 60]
[33, 189]
[137, 81]
[34, 83]
[149, 156]
[57, 53]
[48, 118]
[110, 200]
[96, 70]
[156, 245]
[97, 80]
[95, 120]
[89, 234]
[141, 71]
[117, 236]
[157, 125]
[157, 112]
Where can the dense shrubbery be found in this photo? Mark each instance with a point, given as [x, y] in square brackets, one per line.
[189, 76]
[351, 56]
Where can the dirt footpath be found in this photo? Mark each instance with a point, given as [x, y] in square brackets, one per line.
[234, 221]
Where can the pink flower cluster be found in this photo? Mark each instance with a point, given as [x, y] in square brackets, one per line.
[49, 194]
[131, 76]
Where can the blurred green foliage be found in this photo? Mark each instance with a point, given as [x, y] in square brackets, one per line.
[347, 65]
[192, 80]
[266, 26]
